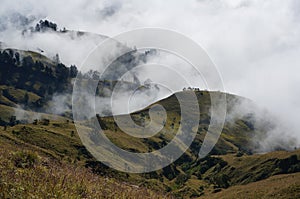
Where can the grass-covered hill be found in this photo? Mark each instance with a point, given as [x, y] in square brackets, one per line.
[230, 164]
[232, 161]
[42, 155]
[53, 147]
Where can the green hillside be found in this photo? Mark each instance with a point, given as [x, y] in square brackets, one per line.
[46, 148]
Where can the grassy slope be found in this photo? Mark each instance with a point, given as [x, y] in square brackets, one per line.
[234, 137]
[6, 112]
[57, 142]
[11, 96]
[24, 174]
[38, 161]
[284, 186]
[228, 169]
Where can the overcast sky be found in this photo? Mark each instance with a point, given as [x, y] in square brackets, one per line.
[255, 44]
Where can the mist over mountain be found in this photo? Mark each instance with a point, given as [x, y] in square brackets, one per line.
[45, 85]
[269, 52]
[47, 49]
[39, 36]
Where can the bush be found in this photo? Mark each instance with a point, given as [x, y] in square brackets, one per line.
[221, 180]
[239, 154]
[35, 122]
[170, 172]
[181, 179]
[25, 159]
[46, 122]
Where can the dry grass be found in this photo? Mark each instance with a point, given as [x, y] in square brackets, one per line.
[25, 174]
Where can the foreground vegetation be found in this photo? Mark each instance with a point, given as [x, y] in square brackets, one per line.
[24, 173]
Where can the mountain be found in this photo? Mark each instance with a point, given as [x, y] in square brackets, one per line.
[227, 167]
[47, 38]
[37, 143]
[233, 161]
[31, 80]
[70, 47]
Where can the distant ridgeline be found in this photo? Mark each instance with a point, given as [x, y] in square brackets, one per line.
[43, 26]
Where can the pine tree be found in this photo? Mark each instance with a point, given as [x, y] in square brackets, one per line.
[26, 98]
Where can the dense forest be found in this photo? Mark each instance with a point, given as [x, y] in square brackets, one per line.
[35, 76]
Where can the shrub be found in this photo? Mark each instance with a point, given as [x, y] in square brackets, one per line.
[239, 154]
[35, 122]
[46, 122]
[181, 179]
[25, 159]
